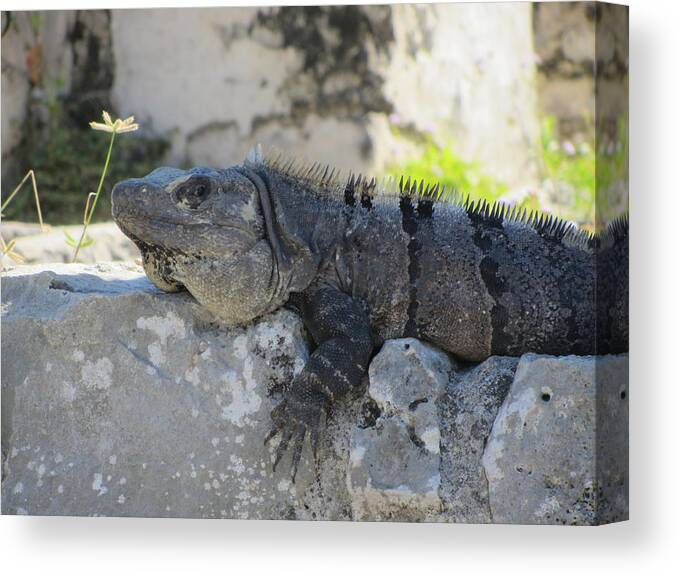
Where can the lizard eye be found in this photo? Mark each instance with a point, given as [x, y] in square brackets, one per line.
[192, 194]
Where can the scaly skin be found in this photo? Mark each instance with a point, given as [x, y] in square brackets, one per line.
[362, 266]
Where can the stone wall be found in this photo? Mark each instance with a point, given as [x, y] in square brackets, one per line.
[323, 82]
[118, 399]
[332, 84]
[569, 37]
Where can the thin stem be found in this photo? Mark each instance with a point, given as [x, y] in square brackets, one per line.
[89, 199]
[30, 174]
[88, 216]
[14, 192]
[37, 201]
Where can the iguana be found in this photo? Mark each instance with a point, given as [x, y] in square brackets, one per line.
[364, 263]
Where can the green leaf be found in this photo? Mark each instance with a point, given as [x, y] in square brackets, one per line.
[69, 240]
[87, 241]
[36, 20]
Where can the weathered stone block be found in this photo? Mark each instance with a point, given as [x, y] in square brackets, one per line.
[334, 84]
[118, 399]
[395, 465]
[558, 452]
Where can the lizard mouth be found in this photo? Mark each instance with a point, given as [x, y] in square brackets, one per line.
[141, 230]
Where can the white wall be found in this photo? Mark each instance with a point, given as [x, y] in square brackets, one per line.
[216, 81]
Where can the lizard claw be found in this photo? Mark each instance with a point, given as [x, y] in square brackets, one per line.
[298, 447]
[293, 429]
[278, 422]
[282, 446]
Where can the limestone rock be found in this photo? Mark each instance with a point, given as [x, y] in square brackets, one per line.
[13, 230]
[558, 452]
[120, 400]
[394, 470]
[110, 244]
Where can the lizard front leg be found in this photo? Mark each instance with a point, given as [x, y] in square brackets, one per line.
[341, 330]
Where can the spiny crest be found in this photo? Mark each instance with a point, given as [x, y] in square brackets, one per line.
[321, 177]
[328, 180]
[618, 227]
[435, 192]
[616, 230]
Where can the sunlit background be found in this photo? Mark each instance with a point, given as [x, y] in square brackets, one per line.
[499, 101]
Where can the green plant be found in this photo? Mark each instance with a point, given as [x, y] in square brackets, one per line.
[443, 166]
[113, 128]
[612, 177]
[589, 177]
[575, 186]
[67, 155]
[569, 174]
[7, 249]
[611, 164]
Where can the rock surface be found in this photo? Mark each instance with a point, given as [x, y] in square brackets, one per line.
[569, 38]
[558, 452]
[14, 230]
[110, 244]
[394, 470]
[118, 399]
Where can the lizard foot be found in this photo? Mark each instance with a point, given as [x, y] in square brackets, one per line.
[295, 417]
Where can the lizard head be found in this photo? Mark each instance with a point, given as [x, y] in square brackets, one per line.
[178, 216]
[215, 233]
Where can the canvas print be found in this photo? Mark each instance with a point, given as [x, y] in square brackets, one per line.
[362, 263]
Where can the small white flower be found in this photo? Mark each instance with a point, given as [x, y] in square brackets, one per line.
[117, 127]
